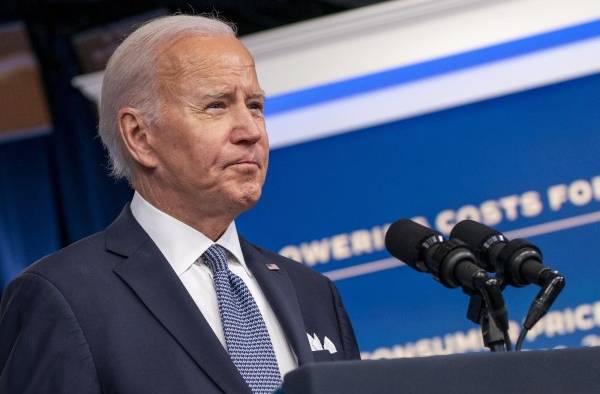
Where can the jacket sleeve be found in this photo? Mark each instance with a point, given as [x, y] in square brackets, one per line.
[42, 346]
[347, 336]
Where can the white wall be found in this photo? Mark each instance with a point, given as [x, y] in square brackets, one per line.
[396, 33]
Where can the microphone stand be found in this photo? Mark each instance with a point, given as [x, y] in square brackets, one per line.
[487, 308]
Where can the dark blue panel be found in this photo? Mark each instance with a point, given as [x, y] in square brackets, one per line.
[28, 224]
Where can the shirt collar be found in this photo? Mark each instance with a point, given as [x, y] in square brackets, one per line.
[181, 244]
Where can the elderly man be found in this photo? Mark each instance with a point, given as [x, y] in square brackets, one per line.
[168, 299]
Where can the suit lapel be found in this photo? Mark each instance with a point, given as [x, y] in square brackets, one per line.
[279, 291]
[153, 280]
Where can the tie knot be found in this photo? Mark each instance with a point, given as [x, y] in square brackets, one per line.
[216, 258]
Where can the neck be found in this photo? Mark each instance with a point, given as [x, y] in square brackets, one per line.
[209, 222]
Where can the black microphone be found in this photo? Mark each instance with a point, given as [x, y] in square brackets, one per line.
[518, 262]
[453, 264]
[450, 262]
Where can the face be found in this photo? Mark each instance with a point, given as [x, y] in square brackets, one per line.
[210, 141]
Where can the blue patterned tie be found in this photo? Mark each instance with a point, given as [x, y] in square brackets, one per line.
[246, 334]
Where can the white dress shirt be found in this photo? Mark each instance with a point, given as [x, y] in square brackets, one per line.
[183, 247]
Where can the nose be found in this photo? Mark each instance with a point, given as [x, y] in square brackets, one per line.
[247, 128]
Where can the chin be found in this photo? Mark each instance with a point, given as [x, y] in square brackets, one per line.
[247, 198]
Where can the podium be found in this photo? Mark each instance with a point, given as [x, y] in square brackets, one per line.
[565, 371]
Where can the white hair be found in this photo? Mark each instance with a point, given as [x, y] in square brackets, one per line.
[130, 77]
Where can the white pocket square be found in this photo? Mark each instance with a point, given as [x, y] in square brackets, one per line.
[316, 345]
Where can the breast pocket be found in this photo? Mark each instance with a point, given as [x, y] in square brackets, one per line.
[322, 355]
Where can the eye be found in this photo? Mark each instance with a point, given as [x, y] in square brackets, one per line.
[216, 105]
[256, 106]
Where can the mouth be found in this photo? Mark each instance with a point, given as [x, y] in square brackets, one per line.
[245, 163]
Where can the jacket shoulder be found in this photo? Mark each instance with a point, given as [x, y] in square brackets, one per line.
[79, 258]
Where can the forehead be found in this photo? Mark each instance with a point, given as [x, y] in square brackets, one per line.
[208, 58]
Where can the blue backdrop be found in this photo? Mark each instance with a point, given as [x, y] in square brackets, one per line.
[536, 142]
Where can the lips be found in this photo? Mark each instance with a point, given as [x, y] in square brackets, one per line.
[244, 162]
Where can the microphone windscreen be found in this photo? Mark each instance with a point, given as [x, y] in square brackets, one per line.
[473, 233]
[404, 240]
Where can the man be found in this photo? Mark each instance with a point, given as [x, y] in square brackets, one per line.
[168, 299]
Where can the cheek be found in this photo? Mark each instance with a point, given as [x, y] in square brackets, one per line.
[170, 134]
[191, 145]
[202, 160]
[265, 143]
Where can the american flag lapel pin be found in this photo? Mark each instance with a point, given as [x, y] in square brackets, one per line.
[272, 267]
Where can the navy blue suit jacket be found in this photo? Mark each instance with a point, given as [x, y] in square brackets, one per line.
[109, 315]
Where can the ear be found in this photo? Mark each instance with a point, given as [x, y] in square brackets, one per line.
[135, 135]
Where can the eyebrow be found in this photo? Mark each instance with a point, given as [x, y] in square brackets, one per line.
[229, 94]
